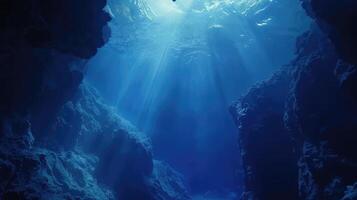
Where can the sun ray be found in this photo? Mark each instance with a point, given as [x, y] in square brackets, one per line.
[183, 63]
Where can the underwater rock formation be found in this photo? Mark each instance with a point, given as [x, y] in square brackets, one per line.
[94, 155]
[33, 34]
[40, 57]
[317, 111]
[267, 152]
[31, 172]
[322, 109]
[125, 158]
[321, 114]
[166, 183]
[41, 53]
[337, 19]
[37, 173]
[57, 142]
[43, 45]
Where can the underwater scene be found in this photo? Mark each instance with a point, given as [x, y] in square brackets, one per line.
[178, 100]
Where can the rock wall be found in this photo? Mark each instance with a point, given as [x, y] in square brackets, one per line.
[266, 147]
[57, 140]
[321, 115]
[43, 44]
[316, 109]
[336, 18]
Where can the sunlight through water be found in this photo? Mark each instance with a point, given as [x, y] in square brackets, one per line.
[174, 68]
[165, 8]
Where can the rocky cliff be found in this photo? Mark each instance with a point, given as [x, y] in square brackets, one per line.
[57, 140]
[42, 47]
[311, 115]
[266, 147]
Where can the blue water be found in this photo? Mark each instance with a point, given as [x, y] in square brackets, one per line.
[173, 69]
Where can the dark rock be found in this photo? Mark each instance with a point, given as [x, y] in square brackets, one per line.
[351, 192]
[337, 19]
[35, 173]
[79, 141]
[319, 109]
[41, 43]
[73, 28]
[267, 151]
[322, 116]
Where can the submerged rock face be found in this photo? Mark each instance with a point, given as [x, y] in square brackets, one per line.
[42, 47]
[337, 19]
[57, 142]
[322, 108]
[74, 28]
[29, 172]
[94, 154]
[166, 183]
[43, 174]
[322, 115]
[317, 111]
[267, 150]
[125, 161]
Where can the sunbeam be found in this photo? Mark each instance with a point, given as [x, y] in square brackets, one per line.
[178, 99]
[184, 64]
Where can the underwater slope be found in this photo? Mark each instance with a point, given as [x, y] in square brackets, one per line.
[125, 161]
[314, 118]
[92, 154]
